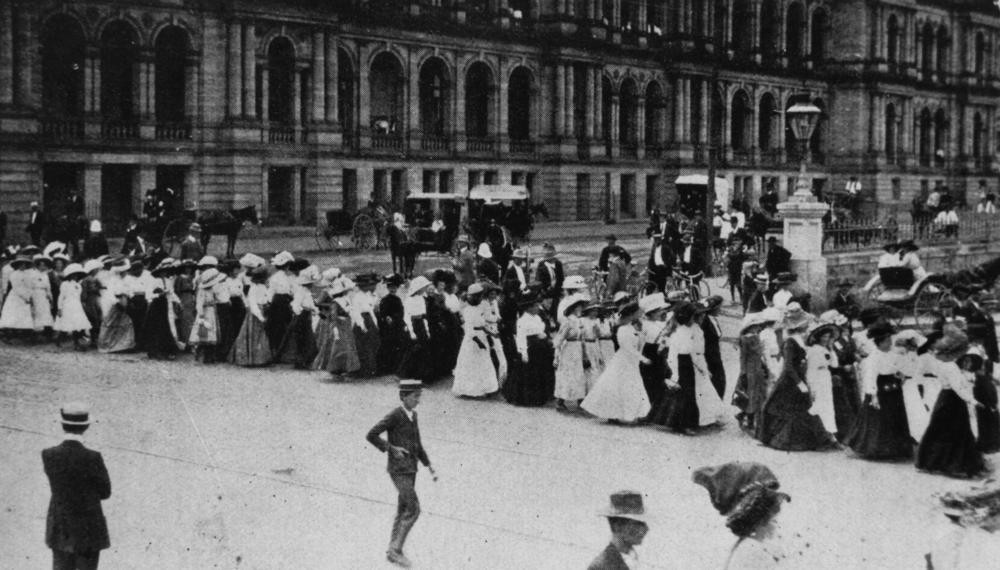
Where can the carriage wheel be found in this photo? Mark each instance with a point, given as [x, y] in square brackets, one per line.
[363, 232]
[932, 300]
[173, 235]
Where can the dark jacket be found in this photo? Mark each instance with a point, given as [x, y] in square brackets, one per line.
[79, 482]
[697, 262]
[191, 249]
[980, 328]
[608, 559]
[550, 287]
[401, 432]
[489, 270]
[602, 261]
[713, 355]
[779, 260]
[36, 222]
[617, 276]
[95, 246]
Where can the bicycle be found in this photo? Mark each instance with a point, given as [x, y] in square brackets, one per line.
[598, 283]
[695, 284]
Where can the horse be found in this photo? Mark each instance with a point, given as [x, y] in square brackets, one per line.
[403, 250]
[226, 223]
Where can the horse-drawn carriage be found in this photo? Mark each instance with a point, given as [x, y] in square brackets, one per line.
[169, 230]
[898, 290]
[367, 228]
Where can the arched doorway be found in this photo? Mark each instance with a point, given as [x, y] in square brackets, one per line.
[387, 85]
[766, 114]
[655, 111]
[434, 98]
[794, 32]
[119, 52]
[740, 117]
[478, 100]
[628, 109]
[820, 24]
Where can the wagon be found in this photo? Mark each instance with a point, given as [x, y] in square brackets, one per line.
[896, 288]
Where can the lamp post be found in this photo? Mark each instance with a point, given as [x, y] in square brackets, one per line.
[803, 117]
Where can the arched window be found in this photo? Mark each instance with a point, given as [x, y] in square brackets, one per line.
[740, 117]
[654, 114]
[743, 13]
[519, 95]
[607, 108]
[171, 74]
[387, 83]
[794, 31]
[697, 18]
[63, 48]
[697, 114]
[478, 94]
[927, 50]
[769, 19]
[892, 44]
[119, 51]
[767, 113]
[925, 126]
[891, 133]
[718, 121]
[940, 136]
[345, 92]
[434, 90]
[943, 50]
[281, 81]
[628, 111]
[820, 23]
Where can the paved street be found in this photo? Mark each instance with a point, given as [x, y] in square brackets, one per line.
[219, 467]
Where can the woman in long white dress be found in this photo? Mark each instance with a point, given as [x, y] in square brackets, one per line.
[691, 341]
[41, 294]
[16, 312]
[474, 373]
[618, 394]
[71, 318]
[819, 359]
[571, 379]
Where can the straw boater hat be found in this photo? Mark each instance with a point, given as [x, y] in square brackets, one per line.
[752, 320]
[21, 261]
[528, 300]
[119, 264]
[771, 315]
[211, 277]
[418, 284]
[92, 265]
[195, 227]
[73, 269]
[484, 251]
[407, 385]
[795, 317]
[574, 282]
[95, 227]
[574, 304]
[593, 308]
[819, 329]
[908, 245]
[475, 289]
[891, 246]
[53, 248]
[74, 414]
[30, 249]
[626, 505]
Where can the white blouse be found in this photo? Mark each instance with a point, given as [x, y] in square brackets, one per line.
[362, 302]
[302, 300]
[877, 364]
[279, 283]
[257, 297]
[528, 325]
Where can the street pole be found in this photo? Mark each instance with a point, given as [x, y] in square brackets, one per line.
[713, 144]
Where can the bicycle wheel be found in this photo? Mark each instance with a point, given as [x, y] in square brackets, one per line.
[703, 289]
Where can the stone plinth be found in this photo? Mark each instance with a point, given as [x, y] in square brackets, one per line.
[803, 238]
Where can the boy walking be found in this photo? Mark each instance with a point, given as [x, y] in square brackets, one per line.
[404, 449]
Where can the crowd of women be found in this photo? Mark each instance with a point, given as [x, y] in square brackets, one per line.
[804, 383]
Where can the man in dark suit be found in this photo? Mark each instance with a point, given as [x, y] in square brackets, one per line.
[779, 259]
[713, 336]
[629, 525]
[691, 257]
[36, 224]
[979, 324]
[602, 261]
[405, 449]
[661, 262]
[75, 528]
[549, 275]
[486, 268]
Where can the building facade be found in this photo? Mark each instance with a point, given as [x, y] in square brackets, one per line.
[595, 105]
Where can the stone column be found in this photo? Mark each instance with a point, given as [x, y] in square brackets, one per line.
[191, 99]
[6, 53]
[297, 195]
[318, 78]
[560, 102]
[265, 95]
[297, 118]
[250, 73]
[677, 110]
[803, 237]
[332, 79]
[590, 117]
[458, 112]
[686, 114]
[640, 126]
[234, 70]
[92, 189]
[615, 126]
[569, 102]
[502, 109]
[147, 86]
[598, 104]
[92, 81]
[26, 45]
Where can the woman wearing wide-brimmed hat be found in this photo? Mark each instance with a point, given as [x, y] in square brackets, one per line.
[949, 444]
[366, 333]
[474, 373]
[279, 290]
[161, 329]
[618, 394]
[185, 290]
[252, 346]
[299, 345]
[417, 362]
[820, 362]
[335, 341]
[787, 422]
[531, 379]
[205, 332]
[881, 430]
[117, 329]
[843, 373]
[16, 313]
[753, 382]
[571, 370]
[71, 319]
[392, 329]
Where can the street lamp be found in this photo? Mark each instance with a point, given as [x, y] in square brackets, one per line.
[802, 118]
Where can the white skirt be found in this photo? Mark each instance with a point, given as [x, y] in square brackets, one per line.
[710, 406]
[919, 408]
[474, 372]
[16, 313]
[821, 385]
[618, 393]
[72, 318]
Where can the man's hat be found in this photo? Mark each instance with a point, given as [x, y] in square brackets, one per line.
[20, 260]
[75, 414]
[195, 227]
[251, 260]
[629, 311]
[626, 505]
[407, 385]
[883, 330]
[845, 282]
[211, 277]
[484, 251]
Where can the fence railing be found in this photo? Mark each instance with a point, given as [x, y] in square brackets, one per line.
[63, 128]
[173, 131]
[120, 130]
[872, 233]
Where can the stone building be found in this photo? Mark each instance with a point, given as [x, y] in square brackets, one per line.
[304, 106]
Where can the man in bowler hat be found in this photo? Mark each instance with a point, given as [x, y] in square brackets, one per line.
[404, 449]
[629, 524]
[75, 528]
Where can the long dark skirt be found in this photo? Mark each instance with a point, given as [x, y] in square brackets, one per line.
[335, 342]
[418, 359]
[531, 383]
[677, 409]
[654, 373]
[136, 309]
[92, 308]
[227, 331]
[251, 347]
[882, 433]
[392, 345]
[845, 400]
[988, 417]
[160, 341]
[786, 423]
[299, 345]
[368, 342]
[279, 316]
[948, 445]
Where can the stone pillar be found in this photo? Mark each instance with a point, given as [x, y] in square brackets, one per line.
[26, 45]
[297, 118]
[234, 71]
[265, 95]
[458, 112]
[677, 110]
[803, 237]
[590, 117]
[598, 104]
[6, 53]
[560, 103]
[297, 195]
[503, 109]
[191, 90]
[92, 81]
[569, 102]
[640, 126]
[318, 79]
[332, 80]
[250, 73]
[686, 114]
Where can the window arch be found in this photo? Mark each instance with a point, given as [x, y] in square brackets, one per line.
[434, 90]
[943, 50]
[172, 45]
[820, 24]
[794, 32]
[894, 39]
[519, 98]
[768, 110]
[119, 54]
[739, 120]
[978, 136]
[927, 49]
[940, 136]
[925, 126]
[281, 81]
[387, 84]
[63, 48]
[478, 99]
[655, 109]
[628, 111]
[742, 41]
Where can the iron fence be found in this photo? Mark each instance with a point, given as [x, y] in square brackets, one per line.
[873, 233]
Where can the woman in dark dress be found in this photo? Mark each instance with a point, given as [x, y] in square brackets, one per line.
[337, 353]
[653, 367]
[948, 445]
[987, 414]
[365, 325]
[161, 344]
[279, 288]
[445, 326]
[677, 407]
[881, 430]
[418, 362]
[532, 376]
[229, 309]
[751, 387]
[392, 330]
[845, 382]
[299, 347]
[786, 422]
